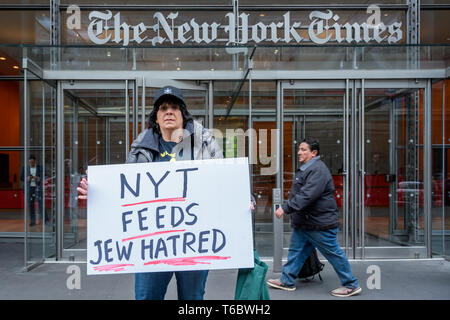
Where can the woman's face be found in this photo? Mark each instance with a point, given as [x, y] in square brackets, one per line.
[169, 117]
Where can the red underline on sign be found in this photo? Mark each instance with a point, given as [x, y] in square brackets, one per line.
[112, 267]
[157, 200]
[152, 234]
[186, 261]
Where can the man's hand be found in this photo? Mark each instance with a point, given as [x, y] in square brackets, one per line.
[279, 213]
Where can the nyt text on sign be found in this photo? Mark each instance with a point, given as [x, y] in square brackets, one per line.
[169, 216]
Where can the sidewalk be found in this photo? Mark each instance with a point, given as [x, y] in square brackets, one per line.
[400, 280]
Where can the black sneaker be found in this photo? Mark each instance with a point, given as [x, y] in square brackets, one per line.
[276, 283]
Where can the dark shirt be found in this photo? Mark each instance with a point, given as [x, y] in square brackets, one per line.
[165, 151]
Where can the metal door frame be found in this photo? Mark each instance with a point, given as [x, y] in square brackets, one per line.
[145, 79]
[361, 250]
[314, 85]
[127, 85]
[353, 165]
[32, 72]
[136, 85]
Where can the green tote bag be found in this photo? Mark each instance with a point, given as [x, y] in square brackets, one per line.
[251, 283]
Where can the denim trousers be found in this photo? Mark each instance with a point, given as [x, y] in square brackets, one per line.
[302, 244]
[153, 285]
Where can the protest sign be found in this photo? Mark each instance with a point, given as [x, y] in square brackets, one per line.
[169, 216]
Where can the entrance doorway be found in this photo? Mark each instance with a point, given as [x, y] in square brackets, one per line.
[101, 120]
[371, 132]
[371, 135]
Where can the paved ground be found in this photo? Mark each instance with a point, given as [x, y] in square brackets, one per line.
[411, 279]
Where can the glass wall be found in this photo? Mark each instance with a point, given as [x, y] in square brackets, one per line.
[440, 214]
[434, 26]
[11, 154]
[264, 160]
[94, 134]
[38, 173]
[310, 111]
[95, 128]
[393, 198]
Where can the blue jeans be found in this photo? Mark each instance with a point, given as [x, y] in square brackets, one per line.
[153, 285]
[302, 244]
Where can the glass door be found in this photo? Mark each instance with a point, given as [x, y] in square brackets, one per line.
[101, 120]
[38, 166]
[318, 110]
[99, 123]
[393, 189]
[372, 137]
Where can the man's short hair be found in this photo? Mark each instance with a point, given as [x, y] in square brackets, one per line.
[32, 157]
[313, 144]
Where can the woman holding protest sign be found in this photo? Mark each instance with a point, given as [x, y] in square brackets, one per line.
[172, 135]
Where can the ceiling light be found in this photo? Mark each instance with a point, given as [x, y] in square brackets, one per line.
[16, 67]
[178, 68]
[108, 53]
[2, 58]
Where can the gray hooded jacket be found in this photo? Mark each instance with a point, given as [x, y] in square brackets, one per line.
[196, 139]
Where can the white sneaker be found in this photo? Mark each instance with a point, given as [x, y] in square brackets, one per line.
[276, 283]
[344, 292]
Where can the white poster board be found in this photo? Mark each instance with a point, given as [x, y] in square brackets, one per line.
[169, 216]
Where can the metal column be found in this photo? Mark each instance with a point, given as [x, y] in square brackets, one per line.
[362, 171]
[427, 170]
[277, 193]
[135, 109]
[345, 167]
[26, 117]
[143, 106]
[55, 35]
[393, 210]
[354, 170]
[59, 172]
[127, 119]
[211, 104]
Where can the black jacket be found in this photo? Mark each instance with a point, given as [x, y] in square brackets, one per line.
[24, 178]
[311, 201]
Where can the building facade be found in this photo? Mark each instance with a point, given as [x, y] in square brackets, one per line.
[369, 81]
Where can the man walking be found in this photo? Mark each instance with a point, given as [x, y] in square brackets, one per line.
[315, 222]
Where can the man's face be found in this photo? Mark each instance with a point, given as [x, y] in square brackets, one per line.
[169, 116]
[304, 153]
[32, 162]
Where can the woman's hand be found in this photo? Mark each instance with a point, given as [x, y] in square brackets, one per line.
[83, 189]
